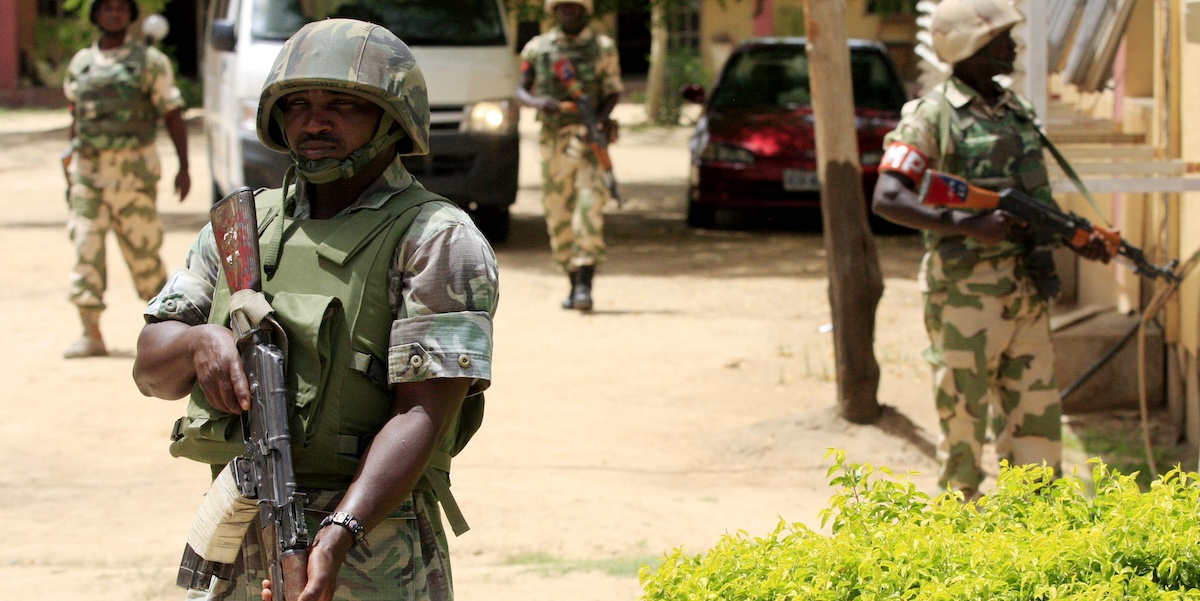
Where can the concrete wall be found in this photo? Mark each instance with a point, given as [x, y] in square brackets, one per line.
[722, 27]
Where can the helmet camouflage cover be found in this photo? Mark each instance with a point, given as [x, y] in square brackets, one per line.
[357, 58]
[961, 27]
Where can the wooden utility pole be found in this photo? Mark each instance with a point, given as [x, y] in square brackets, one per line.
[855, 279]
[655, 84]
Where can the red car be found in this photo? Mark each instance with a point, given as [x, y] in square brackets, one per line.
[753, 147]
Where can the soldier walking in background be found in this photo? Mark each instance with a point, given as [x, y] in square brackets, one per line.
[574, 191]
[986, 289]
[117, 89]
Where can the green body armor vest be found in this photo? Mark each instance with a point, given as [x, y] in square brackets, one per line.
[329, 293]
[112, 109]
[584, 57]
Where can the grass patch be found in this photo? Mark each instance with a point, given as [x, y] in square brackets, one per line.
[21, 112]
[547, 565]
[1117, 439]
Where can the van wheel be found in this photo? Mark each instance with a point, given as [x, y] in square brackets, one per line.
[494, 222]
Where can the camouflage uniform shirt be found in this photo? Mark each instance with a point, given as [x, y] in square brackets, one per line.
[442, 285]
[595, 59]
[992, 146]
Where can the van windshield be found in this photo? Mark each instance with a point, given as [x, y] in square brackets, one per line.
[417, 22]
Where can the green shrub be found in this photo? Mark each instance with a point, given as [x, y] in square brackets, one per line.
[1032, 538]
[684, 66]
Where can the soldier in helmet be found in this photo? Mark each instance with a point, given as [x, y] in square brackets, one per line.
[986, 315]
[118, 89]
[574, 192]
[386, 293]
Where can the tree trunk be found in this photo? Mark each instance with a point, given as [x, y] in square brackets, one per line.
[855, 279]
[658, 61]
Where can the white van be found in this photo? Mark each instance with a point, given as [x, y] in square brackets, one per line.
[469, 61]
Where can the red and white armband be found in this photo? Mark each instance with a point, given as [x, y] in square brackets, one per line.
[906, 160]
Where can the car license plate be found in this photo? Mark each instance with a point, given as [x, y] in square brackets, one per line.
[799, 180]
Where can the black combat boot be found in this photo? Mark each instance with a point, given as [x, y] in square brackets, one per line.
[569, 302]
[581, 295]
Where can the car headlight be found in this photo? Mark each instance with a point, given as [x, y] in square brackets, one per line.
[871, 158]
[720, 152]
[491, 117]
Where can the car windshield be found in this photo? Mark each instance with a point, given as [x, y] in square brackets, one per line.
[417, 22]
[777, 76]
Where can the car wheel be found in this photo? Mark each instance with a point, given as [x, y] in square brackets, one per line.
[494, 222]
[700, 216]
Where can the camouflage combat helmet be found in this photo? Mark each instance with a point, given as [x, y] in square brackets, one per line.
[357, 58]
[961, 27]
[586, 4]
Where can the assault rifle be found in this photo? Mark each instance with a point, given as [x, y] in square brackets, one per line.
[1047, 223]
[264, 475]
[598, 140]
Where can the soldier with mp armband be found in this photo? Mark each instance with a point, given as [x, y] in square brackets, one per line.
[986, 288]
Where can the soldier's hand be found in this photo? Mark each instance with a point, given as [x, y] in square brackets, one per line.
[990, 227]
[219, 369]
[325, 557]
[183, 184]
[549, 105]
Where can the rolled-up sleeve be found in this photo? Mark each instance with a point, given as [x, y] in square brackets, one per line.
[446, 290]
[188, 294]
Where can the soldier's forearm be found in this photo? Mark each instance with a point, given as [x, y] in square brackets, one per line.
[178, 131]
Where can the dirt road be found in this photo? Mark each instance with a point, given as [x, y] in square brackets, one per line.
[697, 400]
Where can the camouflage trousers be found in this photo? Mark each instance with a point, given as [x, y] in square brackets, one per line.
[115, 190]
[993, 363]
[405, 558]
[573, 196]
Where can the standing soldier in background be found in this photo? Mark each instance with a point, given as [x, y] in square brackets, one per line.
[574, 191]
[117, 90]
[985, 311]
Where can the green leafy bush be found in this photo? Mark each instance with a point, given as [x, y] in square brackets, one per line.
[684, 66]
[1033, 538]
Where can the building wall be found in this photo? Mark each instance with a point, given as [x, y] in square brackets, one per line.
[722, 27]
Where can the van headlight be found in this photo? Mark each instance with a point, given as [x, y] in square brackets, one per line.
[491, 117]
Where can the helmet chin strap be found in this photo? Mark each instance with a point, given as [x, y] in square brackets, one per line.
[327, 170]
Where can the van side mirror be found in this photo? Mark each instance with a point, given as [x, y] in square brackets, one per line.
[224, 35]
[692, 92]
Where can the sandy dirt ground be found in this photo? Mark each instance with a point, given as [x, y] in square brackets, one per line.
[698, 399]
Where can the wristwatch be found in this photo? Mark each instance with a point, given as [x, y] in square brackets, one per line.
[348, 522]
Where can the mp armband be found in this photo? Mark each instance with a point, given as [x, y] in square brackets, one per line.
[906, 160]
